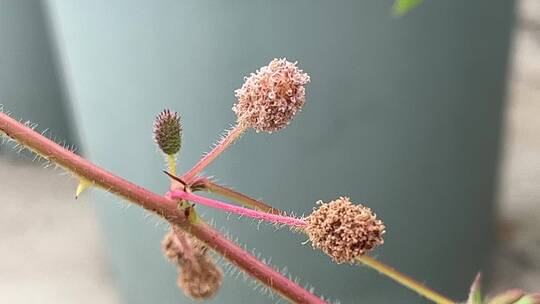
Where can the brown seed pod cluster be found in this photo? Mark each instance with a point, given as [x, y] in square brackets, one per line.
[199, 277]
[271, 97]
[344, 230]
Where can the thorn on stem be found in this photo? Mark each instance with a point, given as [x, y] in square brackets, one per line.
[176, 178]
[82, 186]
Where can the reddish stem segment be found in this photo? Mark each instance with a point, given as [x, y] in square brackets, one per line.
[165, 207]
[258, 269]
[231, 136]
[269, 217]
[239, 197]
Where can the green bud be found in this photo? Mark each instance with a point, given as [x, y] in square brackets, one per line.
[168, 132]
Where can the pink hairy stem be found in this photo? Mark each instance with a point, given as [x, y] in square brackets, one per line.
[163, 206]
[228, 140]
[261, 215]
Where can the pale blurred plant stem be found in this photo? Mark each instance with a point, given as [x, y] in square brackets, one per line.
[404, 280]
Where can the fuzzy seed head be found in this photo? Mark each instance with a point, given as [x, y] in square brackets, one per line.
[171, 247]
[200, 281]
[344, 230]
[168, 132]
[199, 277]
[271, 97]
[174, 250]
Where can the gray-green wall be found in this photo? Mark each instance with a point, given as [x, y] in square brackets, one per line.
[403, 114]
[30, 86]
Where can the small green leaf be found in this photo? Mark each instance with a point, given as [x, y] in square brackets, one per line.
[401, 7]
[475, 294]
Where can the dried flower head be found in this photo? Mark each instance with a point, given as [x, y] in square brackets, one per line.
[177, 251]
[200, 280]
[168, 132]
[199, 277]
[344, 230]
[171, 247]
[270, 98]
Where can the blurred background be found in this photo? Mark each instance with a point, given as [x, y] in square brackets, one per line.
[431, 119]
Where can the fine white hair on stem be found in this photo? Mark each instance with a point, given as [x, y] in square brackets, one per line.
[232, 271]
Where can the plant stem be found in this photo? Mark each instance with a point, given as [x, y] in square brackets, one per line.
[294, 222]
[261, 215]
[171, 163]
[258, 269]
[239, 197]
[404, 280]
[163, 206]
[171, 167]
[229, 139]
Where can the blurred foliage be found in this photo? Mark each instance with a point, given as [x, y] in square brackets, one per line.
[402, 7]
[475, 294]
[512, 296]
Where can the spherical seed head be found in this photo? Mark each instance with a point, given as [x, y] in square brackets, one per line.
[168, 132]
[271, 97]
[171, 247]
[199, 277]
[344, 230]
[200, 281]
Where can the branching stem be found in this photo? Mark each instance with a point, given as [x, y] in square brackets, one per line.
[386, 270]
[228, 140]
[261, 215]
[163, 206]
